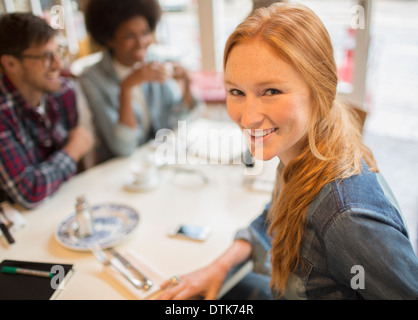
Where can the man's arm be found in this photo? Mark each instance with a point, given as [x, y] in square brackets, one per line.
[29, 183]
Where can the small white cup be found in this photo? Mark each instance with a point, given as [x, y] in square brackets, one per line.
[144, 173]
[169, 69]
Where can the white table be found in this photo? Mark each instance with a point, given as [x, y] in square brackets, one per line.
[224, 204]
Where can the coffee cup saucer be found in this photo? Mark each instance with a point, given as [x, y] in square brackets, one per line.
[150, 184]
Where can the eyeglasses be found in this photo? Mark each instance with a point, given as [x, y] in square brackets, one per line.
[47, 58]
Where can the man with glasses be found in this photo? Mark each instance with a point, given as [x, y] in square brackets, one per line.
[40, 139]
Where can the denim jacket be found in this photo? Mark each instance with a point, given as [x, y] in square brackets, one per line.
[355, 245]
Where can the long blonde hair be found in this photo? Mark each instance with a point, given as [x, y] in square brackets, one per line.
[333, 149]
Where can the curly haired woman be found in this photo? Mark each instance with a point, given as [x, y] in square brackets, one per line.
[132, 94]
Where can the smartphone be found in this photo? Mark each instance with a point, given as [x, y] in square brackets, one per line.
[191, 232]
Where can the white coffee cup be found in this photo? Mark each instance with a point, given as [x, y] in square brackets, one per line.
[144, 173]
[169, 69]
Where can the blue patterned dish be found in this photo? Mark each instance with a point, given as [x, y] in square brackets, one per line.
[112, 224]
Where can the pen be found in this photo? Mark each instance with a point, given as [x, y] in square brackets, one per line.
[4, 228]
[30, 272]
[6, 233]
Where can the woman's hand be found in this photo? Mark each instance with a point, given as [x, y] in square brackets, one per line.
[204, 283]
[182, 76]
[179, 72]
[150, 72]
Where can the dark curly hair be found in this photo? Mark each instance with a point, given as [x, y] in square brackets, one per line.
[103, 17]
[19, 31]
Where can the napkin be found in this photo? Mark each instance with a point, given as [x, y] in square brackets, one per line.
[14, 216]
[150, 272]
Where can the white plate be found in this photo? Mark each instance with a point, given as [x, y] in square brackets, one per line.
[112, 224]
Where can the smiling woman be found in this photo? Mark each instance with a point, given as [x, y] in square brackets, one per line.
[331, 211]
[270, 101]
[131, 92]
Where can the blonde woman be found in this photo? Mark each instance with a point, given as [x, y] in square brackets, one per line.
[333, 229]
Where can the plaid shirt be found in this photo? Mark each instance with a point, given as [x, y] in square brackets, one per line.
[32, 164]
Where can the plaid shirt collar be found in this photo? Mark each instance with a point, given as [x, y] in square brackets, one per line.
[42, 128]
[28, 111]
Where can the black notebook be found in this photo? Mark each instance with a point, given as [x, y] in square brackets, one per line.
[28, 287]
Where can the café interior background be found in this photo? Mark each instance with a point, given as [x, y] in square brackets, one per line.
[391, 98]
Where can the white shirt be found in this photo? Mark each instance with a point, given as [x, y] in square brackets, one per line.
[137, 94]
